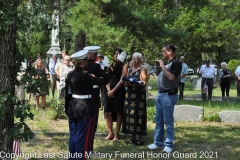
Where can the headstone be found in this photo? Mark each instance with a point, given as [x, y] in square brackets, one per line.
[197, 83]
[231, 99]
[188, 113]
[230, 116]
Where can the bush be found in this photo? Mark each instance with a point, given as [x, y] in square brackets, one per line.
[232, 66]
[151, 111]
[59, 109]
[213, 118]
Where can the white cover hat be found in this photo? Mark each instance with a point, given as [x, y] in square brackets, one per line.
[80, 54]
[122, 56]
[92, 49]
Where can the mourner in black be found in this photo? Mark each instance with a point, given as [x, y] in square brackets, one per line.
[79, 105]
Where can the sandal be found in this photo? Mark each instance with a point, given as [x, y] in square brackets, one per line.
[139, 143]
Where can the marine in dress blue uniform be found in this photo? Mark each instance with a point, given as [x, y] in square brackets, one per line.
[79, 106]
[95, 69]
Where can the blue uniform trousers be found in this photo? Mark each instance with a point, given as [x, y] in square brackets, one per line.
[80, 137]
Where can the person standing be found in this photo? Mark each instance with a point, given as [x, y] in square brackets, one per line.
[57, 69]
[135, 110]
[225, 75]
[166, 99]
[113, 108]
[237, 73]
[53, 77]
[184, 72]
[208, 72]
[95, 69]
[79, 106]
[103, 89]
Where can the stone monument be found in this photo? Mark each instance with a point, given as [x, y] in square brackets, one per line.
[55, 47]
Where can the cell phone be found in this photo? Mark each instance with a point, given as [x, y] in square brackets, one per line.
[157, 63]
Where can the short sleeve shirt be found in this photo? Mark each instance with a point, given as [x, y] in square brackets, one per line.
[174, 66]
[184, 71]
[207, 72]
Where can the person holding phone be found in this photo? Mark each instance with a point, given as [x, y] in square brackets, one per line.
[166, 99]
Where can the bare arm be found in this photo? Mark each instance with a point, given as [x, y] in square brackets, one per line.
[169, 75]
[119, 84]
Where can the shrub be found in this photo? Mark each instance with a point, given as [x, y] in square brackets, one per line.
[232, 66]
[213, 118]
[151, 111]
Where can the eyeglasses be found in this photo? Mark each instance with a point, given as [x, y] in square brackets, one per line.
[67, 60]
[100, 56]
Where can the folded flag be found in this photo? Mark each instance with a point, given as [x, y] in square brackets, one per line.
[131, 80]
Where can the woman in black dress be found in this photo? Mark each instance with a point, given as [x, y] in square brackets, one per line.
[114, 100]
[135, 112]
[225, 75]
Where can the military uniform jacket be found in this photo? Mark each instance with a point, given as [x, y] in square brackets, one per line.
[81, 83]
[95, 69]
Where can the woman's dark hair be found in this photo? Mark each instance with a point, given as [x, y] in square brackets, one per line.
[118, 49]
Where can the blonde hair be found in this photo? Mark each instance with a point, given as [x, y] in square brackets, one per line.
[37, 62]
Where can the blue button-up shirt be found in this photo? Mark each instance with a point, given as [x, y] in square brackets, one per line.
[51, 67]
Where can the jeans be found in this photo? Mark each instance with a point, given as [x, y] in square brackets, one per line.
[164, 115]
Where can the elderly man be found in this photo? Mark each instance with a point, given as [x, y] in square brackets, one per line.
[208, 72]
[53, 77]
[166, 99]
[184, 72]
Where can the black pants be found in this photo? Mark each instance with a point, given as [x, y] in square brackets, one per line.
[209, 82]
[225, 86]
[181, 89]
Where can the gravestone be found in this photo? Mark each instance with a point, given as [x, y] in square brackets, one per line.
[231, 99]
[197, 83]
[230, 116]
[188, 113]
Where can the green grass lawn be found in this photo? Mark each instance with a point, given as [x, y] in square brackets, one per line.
[193, 140]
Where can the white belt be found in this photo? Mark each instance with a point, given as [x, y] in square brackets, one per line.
[81, 96]
[95, 86]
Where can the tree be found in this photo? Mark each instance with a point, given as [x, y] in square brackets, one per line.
[8, 67]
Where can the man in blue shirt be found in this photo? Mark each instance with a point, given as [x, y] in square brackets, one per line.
[184, 72]
[53, 76]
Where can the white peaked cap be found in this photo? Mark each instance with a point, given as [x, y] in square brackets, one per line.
[92, 49]
[122, 56]
[80, 54]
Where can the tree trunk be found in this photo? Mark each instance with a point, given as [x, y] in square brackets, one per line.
[8, 34]
[80, 41]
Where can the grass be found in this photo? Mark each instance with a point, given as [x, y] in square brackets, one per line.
[193, 140]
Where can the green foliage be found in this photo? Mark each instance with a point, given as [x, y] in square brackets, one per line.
[34, 81]
[213, 118]
[232, 65]
[21, 112]
[151, 111]
[59, 109]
